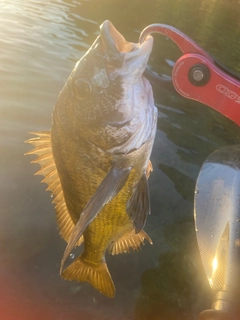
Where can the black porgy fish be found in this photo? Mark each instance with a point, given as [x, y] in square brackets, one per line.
[95, 159]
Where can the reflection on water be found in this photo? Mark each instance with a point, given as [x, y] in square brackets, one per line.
[40, 42]
[175, 289]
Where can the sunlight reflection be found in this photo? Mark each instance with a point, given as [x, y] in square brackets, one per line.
[214, 268]
[215, 264]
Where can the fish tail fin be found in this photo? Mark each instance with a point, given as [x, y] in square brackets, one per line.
[96, 274]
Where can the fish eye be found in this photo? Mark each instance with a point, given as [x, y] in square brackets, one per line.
[82, 88]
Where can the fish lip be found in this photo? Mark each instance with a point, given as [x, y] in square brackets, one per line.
[118, 48]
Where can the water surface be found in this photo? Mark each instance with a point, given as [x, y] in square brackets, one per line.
[40, 43]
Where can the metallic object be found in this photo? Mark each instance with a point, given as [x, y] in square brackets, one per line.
[199, 75]
[213, 84]
[217, 219]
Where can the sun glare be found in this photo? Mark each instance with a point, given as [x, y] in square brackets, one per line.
[214, 268]
[214, 264]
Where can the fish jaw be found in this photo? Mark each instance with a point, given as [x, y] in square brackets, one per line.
[129, 59]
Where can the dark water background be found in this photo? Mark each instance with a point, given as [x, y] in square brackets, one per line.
[40, 42]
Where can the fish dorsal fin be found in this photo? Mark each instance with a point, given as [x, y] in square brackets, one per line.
[138, 206]
[96, 274]
[43, 149]
[129, 240]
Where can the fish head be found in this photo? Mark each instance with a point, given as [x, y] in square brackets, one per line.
[98, 96]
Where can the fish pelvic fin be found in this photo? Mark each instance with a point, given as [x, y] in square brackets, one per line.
[95, 274]
[43, 149]
[128, 241]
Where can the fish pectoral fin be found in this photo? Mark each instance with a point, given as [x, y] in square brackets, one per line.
[109, 188]
[96, 274]
[138, 206]
[130, 240]
[43, 149]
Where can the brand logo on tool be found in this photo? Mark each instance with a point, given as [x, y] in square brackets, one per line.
[228, 93]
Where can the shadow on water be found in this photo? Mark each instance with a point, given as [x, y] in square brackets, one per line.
[40, 43]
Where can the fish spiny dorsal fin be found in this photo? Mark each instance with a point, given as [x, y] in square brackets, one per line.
[43, 149]
[97, 275]
[129, 240]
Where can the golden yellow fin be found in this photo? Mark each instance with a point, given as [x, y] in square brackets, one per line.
[129, 240]
[149, 169]
[43, 149]
[97, 275]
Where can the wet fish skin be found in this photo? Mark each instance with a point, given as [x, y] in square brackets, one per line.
[103, 128]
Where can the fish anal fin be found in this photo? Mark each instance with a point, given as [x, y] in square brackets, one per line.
[43, 149]
[95, 274]
[128, 241]
[138, 206]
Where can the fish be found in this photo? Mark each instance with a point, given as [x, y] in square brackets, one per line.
[96, 157]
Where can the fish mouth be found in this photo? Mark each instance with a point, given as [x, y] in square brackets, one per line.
[119, 49]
